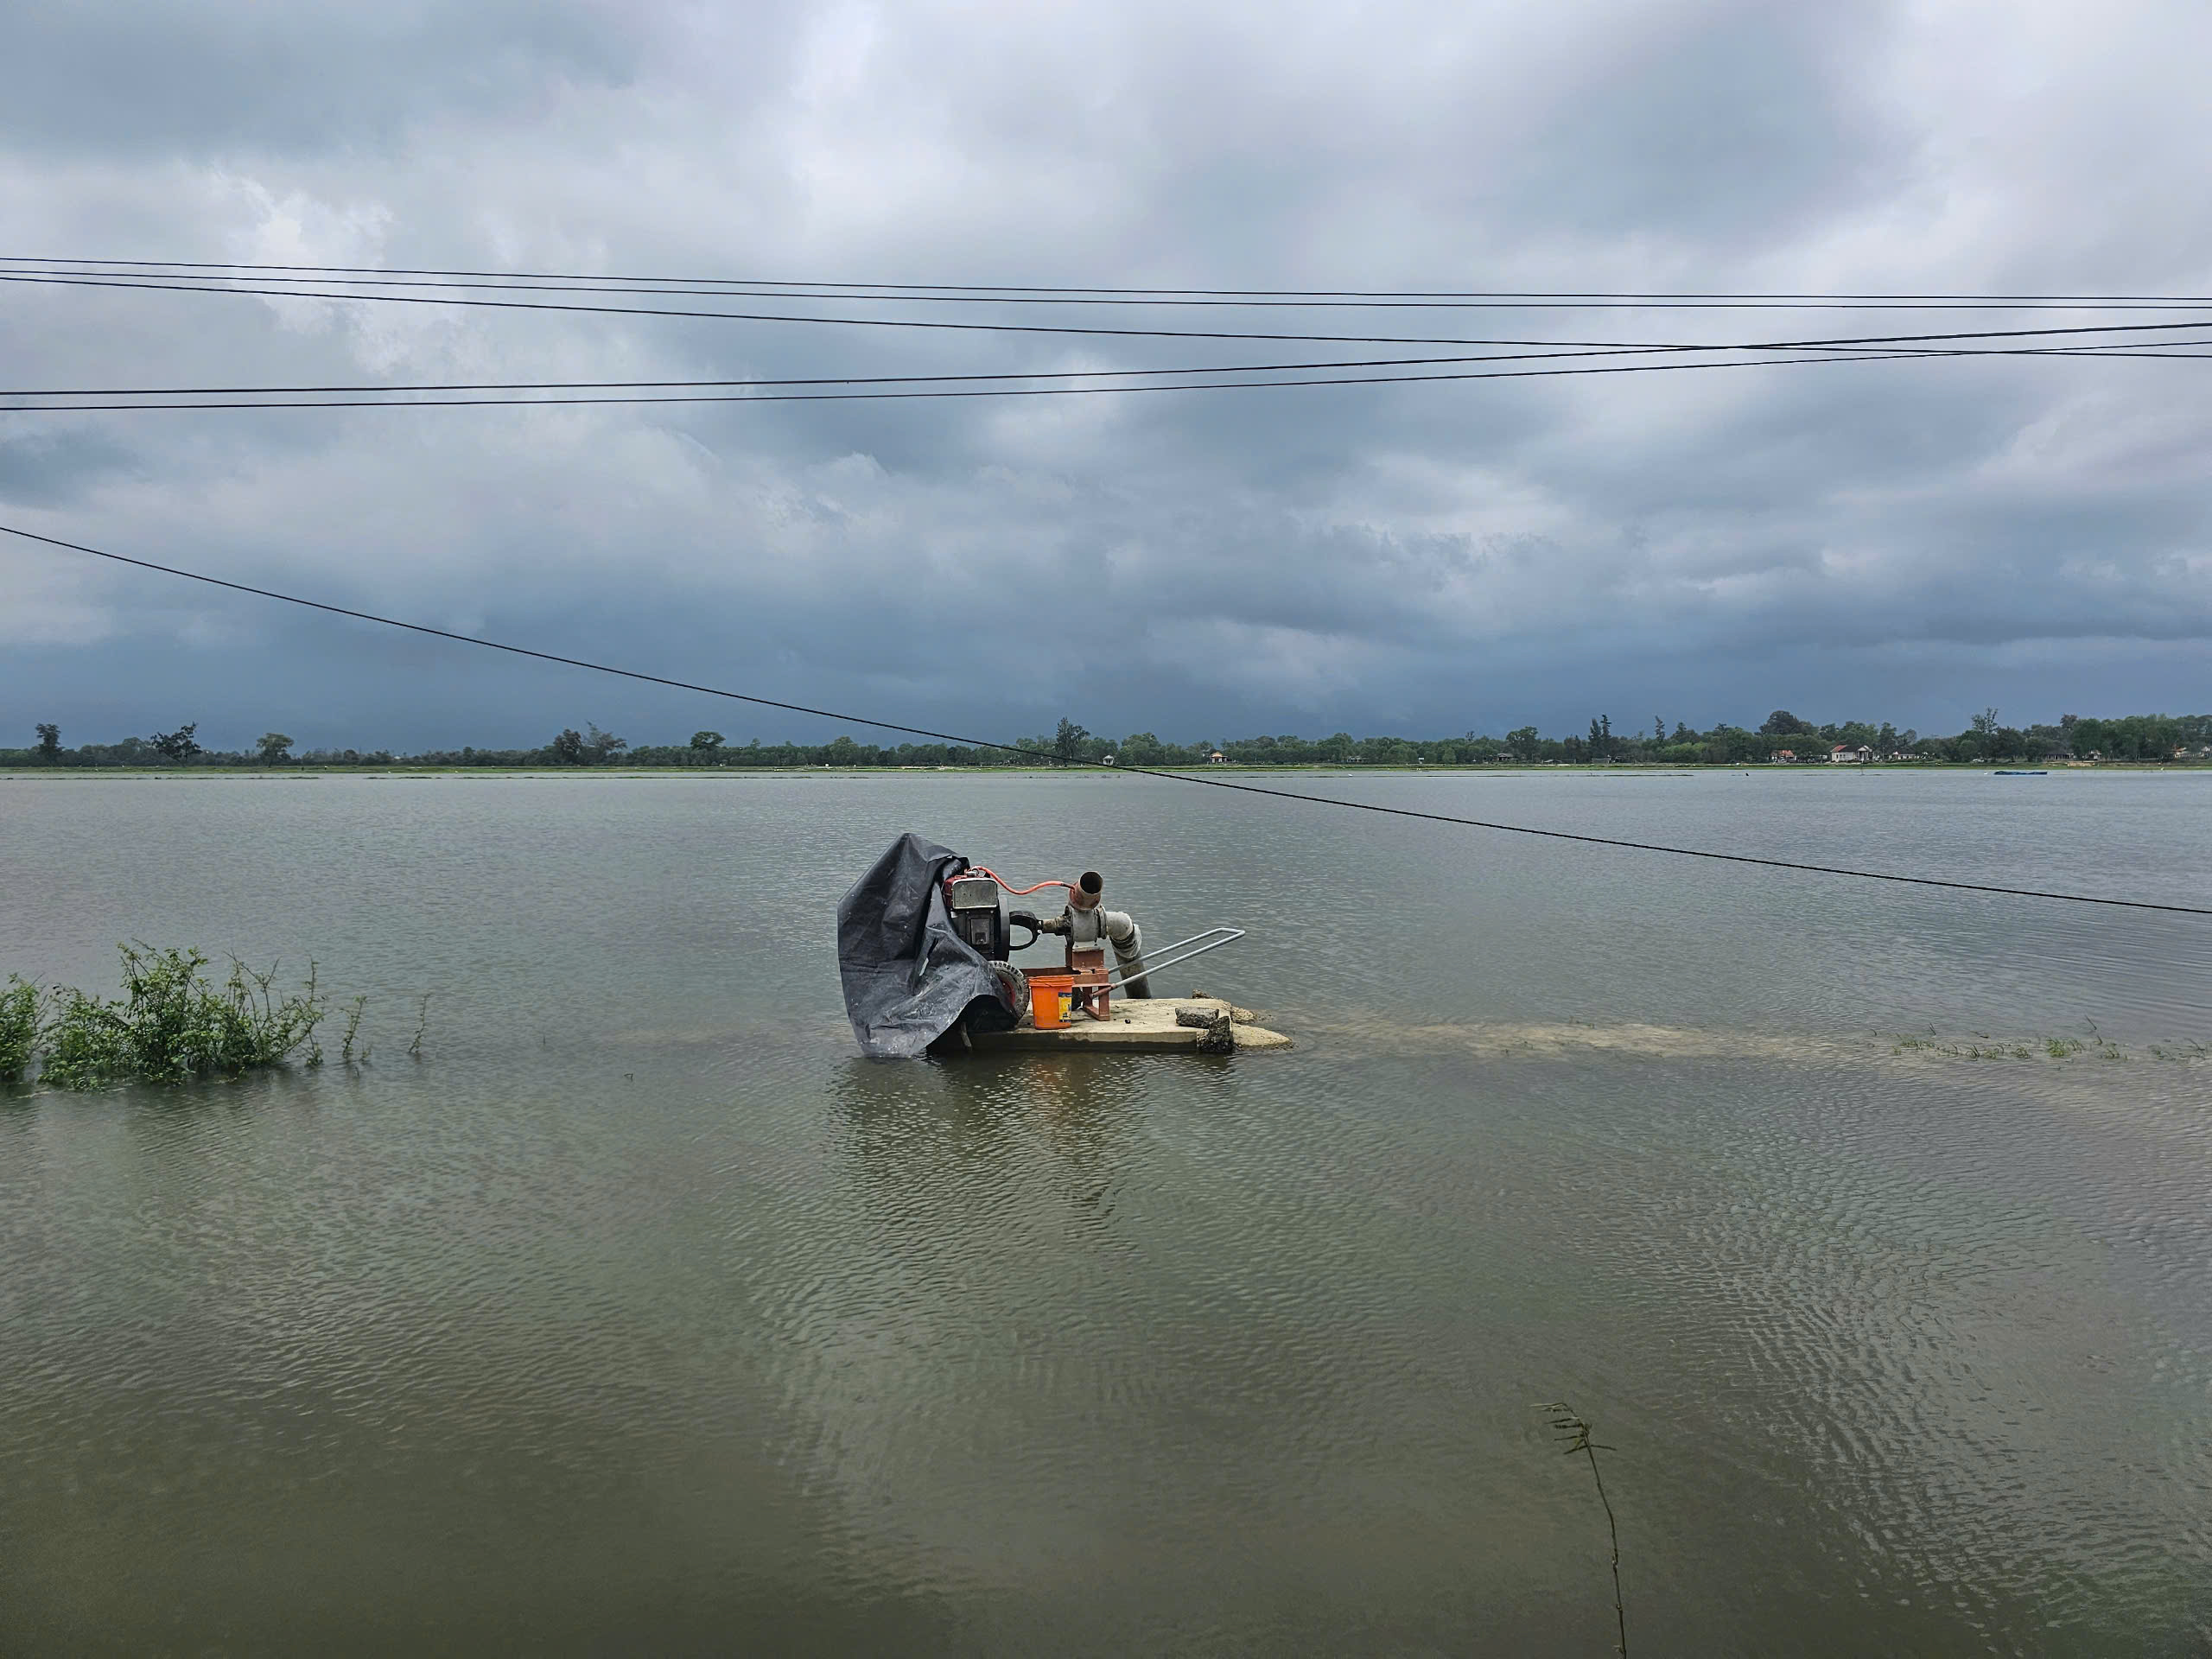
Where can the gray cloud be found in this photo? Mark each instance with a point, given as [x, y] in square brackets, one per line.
[56, 467]
[1904, 539]
[203, 78]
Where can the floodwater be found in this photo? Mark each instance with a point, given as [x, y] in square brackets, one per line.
[640, 1313]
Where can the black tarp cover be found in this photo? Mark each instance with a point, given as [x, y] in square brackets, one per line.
[908, 976]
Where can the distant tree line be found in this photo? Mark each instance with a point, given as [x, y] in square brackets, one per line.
[2163, 739]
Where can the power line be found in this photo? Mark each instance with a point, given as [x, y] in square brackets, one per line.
[943, 392]
[964, 327]
[523, 283]
[968, 392]
[1859, 350]
[1575, 350]
[817, 380]
[1100, 294]
[1141, 772]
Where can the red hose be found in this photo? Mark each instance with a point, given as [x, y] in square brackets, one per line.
[1019, 893]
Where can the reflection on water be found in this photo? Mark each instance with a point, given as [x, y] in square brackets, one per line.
[644, 1313]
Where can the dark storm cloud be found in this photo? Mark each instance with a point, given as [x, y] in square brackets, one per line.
[52, 469]
[1737, 122]
[201, 77]
[1910, 540]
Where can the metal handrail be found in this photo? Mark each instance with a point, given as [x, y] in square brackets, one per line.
[1169, 959]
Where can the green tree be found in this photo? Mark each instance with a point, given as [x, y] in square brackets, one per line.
[177, 746]
[1979, 741]
[1523, 742]
[706, 742]
[49, 743]
[602, 745]
[1068, 743]
[1782, 724]
[275, 746]
[568, 749]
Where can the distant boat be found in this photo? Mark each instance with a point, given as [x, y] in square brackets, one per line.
[2039, 774]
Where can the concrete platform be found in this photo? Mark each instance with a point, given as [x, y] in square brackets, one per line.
[1138, 1025]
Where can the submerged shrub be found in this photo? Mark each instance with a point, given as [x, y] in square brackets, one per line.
[18, 1028]
[171, 1025]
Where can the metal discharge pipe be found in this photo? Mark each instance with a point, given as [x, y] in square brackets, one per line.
[1128, 940]
[1087, 923]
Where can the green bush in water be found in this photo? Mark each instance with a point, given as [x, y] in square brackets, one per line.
[18, 1028]
[171, 1025]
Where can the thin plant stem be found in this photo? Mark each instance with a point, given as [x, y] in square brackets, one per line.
[352, 1030]
[1576, 1432]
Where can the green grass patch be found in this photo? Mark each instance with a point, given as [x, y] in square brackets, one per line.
[19, 1027]
[171, 1025]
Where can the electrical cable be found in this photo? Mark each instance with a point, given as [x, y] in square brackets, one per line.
[1121, 770]
[2114, 349]
[939, 325]
[980, 391]
[258, 397]
[817, 380]
[1009, 291]
[1056, 392]
[524, 284]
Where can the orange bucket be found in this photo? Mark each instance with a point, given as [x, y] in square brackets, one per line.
[1048, 997]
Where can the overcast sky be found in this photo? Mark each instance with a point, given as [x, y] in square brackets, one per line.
[1902, 540]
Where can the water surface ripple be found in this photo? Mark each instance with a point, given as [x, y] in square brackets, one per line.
[642, 1313]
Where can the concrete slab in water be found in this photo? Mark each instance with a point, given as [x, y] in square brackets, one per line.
[1142, 1024]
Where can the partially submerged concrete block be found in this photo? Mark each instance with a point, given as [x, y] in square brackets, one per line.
[1163, 1024]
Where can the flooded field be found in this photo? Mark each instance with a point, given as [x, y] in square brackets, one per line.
[1867, 1224]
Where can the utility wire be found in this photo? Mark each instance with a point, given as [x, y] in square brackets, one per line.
[210, 287]
[1682, 356]
[977, 391]
[946, 392]
[522, 283]
[817, 380]
[2112, 349]
[1139, 772]
[986, 292]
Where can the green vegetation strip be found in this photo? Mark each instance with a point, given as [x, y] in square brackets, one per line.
[171, 1025]
[1782, 739]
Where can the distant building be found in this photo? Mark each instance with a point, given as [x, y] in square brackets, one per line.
[1785, 757]
[1217, 759]
[1844, 755]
